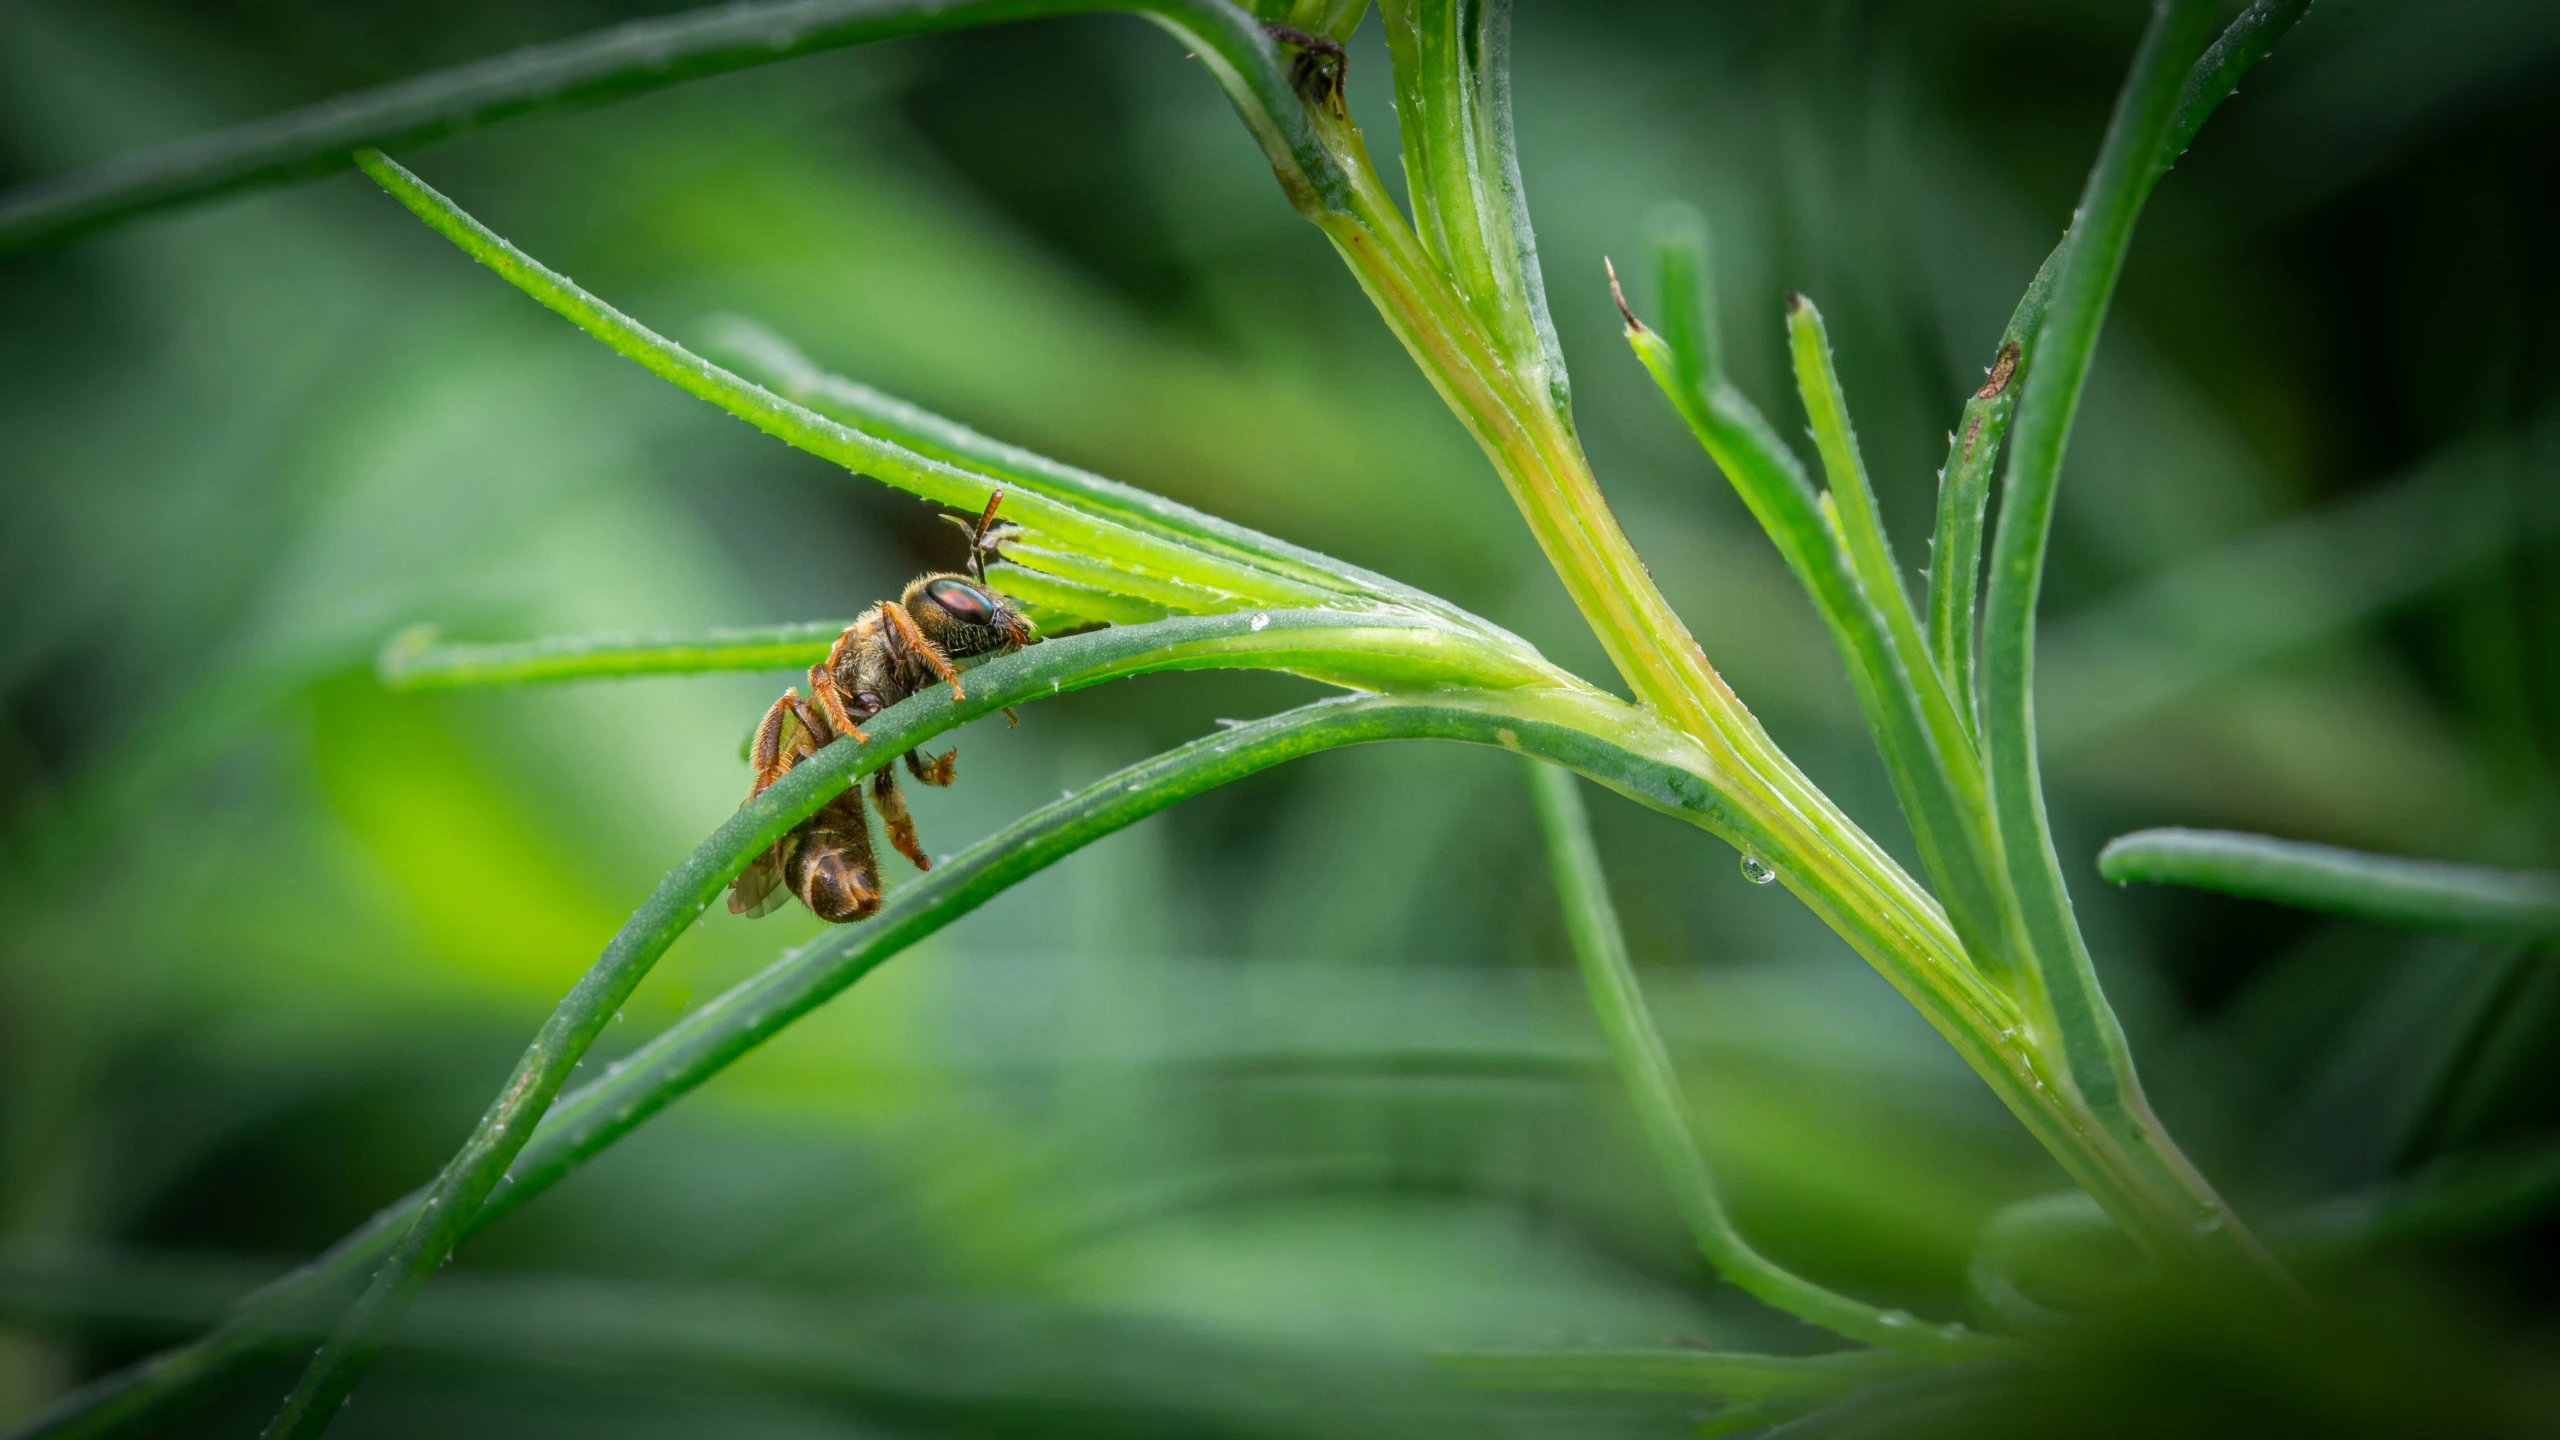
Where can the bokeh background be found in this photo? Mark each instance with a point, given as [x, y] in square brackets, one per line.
[1223, 1124]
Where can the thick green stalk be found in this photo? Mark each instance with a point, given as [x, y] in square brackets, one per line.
[2392, 889]
[1653, 1086]
[1782, 819]
[627, 60]
[2179, 1214]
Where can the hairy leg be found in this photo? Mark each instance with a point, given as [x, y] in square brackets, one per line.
[893, 813]
[911, 639]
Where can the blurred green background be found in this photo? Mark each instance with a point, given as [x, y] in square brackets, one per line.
[1221, 1125]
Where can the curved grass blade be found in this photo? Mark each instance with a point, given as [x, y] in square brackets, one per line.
[1964, 482]
[626, 60]
[1716, 1374]
[774, 361]
[1394, 654]
[2083, 1027]
[2393, 889]
[1180, 576]
[1568, 727]
[1600, 949]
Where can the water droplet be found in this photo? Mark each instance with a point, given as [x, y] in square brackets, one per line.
[1227, 724]
[1896, 1319]
[617, 1017]
[2208, 1219]
[1757, 871]
[1259, 621]
[2010, 1034]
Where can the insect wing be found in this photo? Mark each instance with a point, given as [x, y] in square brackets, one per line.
[758, 889]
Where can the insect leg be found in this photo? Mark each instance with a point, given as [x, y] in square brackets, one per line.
[937, 773]
[893, 813]
[822, 684]
[766, 754]
[909, 634]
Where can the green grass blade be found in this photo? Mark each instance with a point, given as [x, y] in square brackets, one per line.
[625, 60]
[1862, 530]
[1593, 734]
[2181, 1216]
[2393, 889]
[1178, 575]
[781, 366]
[1600, 949]
[1925, 749]
[2242, 44]
[1964, 482]
[1714, 1374]
[1964, 497]
[418, 659]
[2084, 283]
[1393, 653]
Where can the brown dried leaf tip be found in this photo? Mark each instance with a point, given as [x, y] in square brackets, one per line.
[2002, 367]
[1634, 325]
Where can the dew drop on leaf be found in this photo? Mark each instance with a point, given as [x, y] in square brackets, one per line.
[1757, 871]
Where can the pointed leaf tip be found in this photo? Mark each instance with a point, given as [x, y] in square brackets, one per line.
[1634, 325]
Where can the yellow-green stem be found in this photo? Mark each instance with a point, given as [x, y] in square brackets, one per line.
[1816, 849]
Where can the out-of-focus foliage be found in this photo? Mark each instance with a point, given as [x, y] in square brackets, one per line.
[1223, 1124]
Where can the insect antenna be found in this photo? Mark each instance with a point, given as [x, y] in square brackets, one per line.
[984, 536]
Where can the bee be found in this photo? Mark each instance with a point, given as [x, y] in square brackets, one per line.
[893, 650]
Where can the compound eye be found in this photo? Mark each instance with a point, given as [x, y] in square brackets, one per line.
[966, 602]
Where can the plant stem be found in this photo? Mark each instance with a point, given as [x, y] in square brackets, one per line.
[1653, 1086]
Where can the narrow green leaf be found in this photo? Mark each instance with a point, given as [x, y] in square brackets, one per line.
[1955, 562]
[1398, 652]
[2248, 39]
[1644, 1064]
[1452, 61]
[1870, 550]
[1168, 572]
[1964, 496]
[1589, 732]
[2183, 1216]
[783, 368]
[418, 659]
[1684, 270]
[627, 60]
[1925, 748]
[1720, 1375]
[2428, 894]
